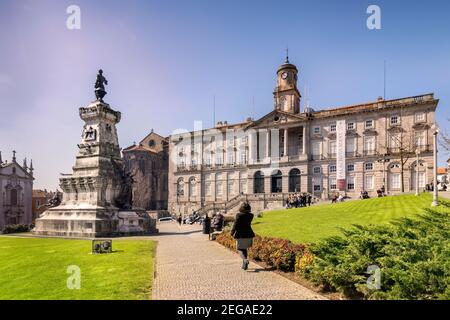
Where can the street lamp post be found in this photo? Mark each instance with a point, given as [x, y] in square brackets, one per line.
[417, 171]
[435, 164]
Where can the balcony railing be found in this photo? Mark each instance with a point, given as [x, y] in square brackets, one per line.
[424, 148]
[369, 152]
[316, 157]
[393, 150]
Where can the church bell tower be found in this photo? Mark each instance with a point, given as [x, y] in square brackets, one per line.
[286, 95]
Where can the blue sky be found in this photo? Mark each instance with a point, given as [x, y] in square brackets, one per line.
[166, 60]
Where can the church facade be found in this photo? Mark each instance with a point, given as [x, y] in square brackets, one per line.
[148, 162]
[16, 185]
[291, 150]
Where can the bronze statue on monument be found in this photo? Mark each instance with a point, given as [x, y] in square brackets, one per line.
[100, 91]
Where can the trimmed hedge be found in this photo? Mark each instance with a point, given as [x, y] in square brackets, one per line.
[16, 228]
[278, 253]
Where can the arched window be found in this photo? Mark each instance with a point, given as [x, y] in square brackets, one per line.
[395, 176]
[180, 187]
[294, 180]
[191, 186]
[276, 181]
[258, 186]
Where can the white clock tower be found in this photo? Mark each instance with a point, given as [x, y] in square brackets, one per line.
[286, 95]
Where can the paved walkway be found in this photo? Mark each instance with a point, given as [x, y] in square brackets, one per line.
[445, 194]
[190, 267]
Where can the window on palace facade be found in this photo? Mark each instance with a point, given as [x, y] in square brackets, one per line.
[315, 146]
[230, 155]
[369, 143]
[368, 166]
[350, 183]
[242, 156]
[350, 167]
[316, 170]
[351, 126]
[332, 146]
[395, 120]
[368, 124]
[208, 188]
[208, 159]
[191, 187]
[333, 127]
[219, 158]
[333, 185]
[394, 140]
[420, 138]
[218, 188]
[395, 180]
[350, 145]
[368, 182]
[230, 187]
[332, 168]
[316, 130]
[420, 116]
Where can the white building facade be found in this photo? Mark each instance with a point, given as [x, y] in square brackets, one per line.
[291, 151]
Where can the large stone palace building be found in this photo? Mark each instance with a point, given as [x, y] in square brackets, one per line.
[16, 185]
[289, 150]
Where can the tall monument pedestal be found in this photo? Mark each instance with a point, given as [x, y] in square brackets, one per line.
[90, 205]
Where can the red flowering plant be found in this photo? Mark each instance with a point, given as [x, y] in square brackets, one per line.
[278, 253]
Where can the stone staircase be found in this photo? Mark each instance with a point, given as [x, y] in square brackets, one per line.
[227, 206]
[259, 202]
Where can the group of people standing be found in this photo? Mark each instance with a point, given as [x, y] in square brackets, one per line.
[298, 200]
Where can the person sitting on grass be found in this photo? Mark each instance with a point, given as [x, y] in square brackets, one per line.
[243, 233]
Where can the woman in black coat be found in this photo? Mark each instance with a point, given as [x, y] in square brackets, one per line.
[243, 233]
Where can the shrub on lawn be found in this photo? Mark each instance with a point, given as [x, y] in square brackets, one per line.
[16, 228]
[302, 262]
[278, 253]
[413, 256]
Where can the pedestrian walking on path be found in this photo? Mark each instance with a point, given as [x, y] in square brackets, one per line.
[180, 220]
[243, 233]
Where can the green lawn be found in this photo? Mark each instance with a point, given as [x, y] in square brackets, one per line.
[308, 225]
[34, 268]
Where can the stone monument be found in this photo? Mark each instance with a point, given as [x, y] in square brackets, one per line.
[97, 196]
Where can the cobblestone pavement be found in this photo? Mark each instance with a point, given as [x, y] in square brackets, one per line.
[190, 267]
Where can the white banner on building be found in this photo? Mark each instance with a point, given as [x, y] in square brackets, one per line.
[340, 154]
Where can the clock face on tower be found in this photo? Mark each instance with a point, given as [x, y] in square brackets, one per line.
[284, 75]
